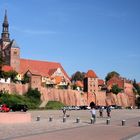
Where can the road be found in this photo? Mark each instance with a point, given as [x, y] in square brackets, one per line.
[58, 130]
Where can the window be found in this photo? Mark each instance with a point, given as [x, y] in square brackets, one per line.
[15, 52]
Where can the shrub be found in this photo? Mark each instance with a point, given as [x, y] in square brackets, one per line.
[115, 89]
[26, 79]
[34, 95]
[55, 105]
[10, 99]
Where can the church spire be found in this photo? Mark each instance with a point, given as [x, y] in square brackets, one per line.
[5, 19]
[5, 30]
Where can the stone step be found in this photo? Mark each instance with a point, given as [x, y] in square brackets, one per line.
[43, 104]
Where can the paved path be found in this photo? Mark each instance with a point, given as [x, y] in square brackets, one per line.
[96, 132]
[57, 130]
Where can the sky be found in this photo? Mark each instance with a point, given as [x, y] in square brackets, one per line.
[102, 35]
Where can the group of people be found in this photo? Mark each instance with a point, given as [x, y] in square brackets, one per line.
[93, 111]
[108, 111]
[101, 109]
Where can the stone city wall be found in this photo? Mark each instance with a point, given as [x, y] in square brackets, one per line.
[68, 97]
[73, 97]
[14, 88]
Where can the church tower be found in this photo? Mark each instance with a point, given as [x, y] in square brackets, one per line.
[9, 49]
[5, 30]
[5, 41]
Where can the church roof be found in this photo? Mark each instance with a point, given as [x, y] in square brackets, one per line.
[5, 22]
[40, 67]
[14, 44]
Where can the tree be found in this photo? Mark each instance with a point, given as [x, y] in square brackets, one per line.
[11, 74]
[138, 102]
[111, 74]
[33, 94]
[26, 79]
[78, 76]
[136, 87]
[115, 89]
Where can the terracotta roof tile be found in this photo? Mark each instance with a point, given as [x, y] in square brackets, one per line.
[91, 74]
[41, 67]
[51, 71]
[116, 81]
[101, 82]
[35, 72]
[7, 68]
[79, 83]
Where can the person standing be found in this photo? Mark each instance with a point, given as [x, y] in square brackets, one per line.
[93, 114]
[64, 112]
[108, 111]
[101, 111]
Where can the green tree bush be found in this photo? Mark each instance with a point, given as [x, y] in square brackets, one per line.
[115, 89]
[11, 99]
[78, 76]
[34, 95]
[136, 87]
[110, 75]
[26, 79]
[55, 105]
[138, 102]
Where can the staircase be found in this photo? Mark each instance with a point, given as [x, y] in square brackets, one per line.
[43, 104]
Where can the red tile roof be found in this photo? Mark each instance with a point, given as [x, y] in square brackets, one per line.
[6, 68]
[35, 72]
[40, 67]
[116, 81]
[101, 82]
[52, 71]
[79, 84]
[91, 74]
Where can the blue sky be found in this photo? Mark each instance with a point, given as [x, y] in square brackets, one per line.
[102, 35]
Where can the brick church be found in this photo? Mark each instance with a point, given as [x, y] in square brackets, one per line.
[41, 72]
